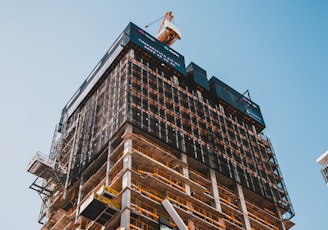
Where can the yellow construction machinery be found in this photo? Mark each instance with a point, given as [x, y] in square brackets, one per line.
[168, 33]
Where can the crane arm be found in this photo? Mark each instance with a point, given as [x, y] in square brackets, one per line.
[146, 26]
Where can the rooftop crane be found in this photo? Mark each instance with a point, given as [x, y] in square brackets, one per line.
[168, 33]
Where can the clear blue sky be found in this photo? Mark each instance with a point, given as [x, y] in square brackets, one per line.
[275, 48]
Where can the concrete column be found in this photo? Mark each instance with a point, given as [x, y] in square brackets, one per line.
[109, 165]
[126, 185]
[215, 190]
[242, 207]
[185, 172]
[127, 146]
[187, 187]
[125, 207]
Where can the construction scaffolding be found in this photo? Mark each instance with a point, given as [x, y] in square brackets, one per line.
[143, 135]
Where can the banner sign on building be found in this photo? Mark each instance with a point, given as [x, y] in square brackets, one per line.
[156, 48]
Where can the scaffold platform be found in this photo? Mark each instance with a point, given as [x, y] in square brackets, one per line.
[99, 208]
[41, 166]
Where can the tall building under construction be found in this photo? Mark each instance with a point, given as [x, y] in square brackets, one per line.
[149, 143]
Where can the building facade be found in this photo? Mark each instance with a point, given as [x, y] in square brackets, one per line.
[147, 143]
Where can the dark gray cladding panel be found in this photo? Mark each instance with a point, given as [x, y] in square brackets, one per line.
[236, 99]
[197, 75]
